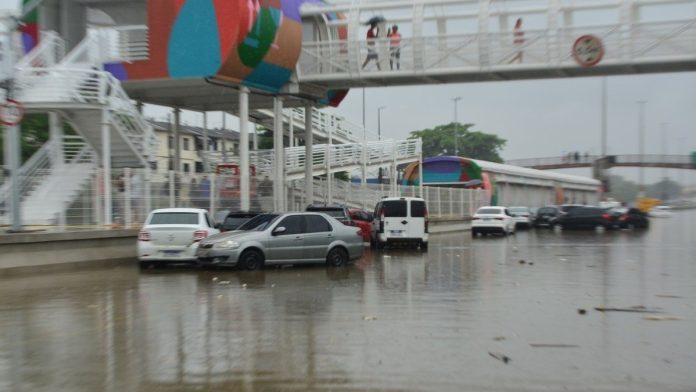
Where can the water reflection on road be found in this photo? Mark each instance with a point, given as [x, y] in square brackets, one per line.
[397, 320]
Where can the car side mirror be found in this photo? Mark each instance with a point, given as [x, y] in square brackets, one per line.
[279, 230]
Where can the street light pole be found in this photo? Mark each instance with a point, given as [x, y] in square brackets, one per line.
[641, 146]
[456, 126]
[379, 122]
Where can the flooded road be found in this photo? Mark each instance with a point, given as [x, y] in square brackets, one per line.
[396, 321]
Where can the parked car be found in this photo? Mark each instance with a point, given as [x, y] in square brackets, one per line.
[337, 211]
[565, 208]
[400, 220]
[661, 212]
[489, 220]
[233, 220]
[629, 218]
[363, 220]
[293, 238]
[585, 218]
[173, 235]
[546, 216]
[522, 216]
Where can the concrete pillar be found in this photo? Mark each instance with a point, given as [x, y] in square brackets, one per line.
[177, 139]
[244, 189]
[291, 136]
[329, 177]
[309, 169]
[55, 129]
[223, 139]
[106, 166]
[127, 216]
[205, 142]
[279, 158]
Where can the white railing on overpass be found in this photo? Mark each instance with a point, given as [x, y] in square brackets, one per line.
[587, 160]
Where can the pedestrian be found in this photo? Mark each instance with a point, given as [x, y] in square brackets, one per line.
[394, 47]
[372, 35]
[518, 41]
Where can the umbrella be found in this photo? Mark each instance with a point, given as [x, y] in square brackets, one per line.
[375, 20]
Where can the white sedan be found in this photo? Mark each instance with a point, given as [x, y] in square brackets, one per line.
[522, 216]
[492, 220]
[173, 234]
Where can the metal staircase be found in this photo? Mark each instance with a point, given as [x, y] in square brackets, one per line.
[331, 158]
[91, 100]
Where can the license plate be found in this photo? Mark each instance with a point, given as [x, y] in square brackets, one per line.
[487, 219]
[396, 232]
[171, 252]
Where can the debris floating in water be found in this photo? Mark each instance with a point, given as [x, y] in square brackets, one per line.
[635, 309]
[582, 311]
[501, 357]
[553, 345]
[654, 317]
[369, 318]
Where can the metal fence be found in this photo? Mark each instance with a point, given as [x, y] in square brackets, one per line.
[132, 198]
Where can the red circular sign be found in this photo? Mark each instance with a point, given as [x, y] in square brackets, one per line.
[11, 112]
[588, 50]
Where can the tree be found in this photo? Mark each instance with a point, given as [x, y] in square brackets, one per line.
[471, 144]
[33, 134]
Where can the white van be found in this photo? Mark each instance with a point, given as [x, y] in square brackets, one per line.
[400, 220]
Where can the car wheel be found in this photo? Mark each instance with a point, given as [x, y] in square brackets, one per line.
[251, 260]
[424, 245]
[381, 245]
[337, 257]
[145, 264]
[474, 233]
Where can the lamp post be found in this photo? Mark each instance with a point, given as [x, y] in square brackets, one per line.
[641, 146]
[456, 126]
[379, 122]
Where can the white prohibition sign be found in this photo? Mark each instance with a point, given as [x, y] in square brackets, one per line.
[588, 50]
[11, 112]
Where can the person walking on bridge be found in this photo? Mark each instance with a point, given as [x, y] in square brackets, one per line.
[394, 47]
[372, 35]
[518, 40]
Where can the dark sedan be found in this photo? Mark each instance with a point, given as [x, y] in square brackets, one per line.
[585, 218]
[546, 216]
[629, 218]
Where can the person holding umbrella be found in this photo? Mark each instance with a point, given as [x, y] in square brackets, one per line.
[372, 35]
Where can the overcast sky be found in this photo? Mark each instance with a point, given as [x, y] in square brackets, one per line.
[538, 118]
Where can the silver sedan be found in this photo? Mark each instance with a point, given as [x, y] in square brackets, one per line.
[291, 238]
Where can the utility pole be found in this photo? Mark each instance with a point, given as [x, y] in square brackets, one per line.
[456, 127]
[379, 122]
[641, 146]
[604, 117]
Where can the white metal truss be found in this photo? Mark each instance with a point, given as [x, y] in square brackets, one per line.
[335, 157]
[637, 36]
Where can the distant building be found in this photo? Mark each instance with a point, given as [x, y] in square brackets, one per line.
[191, 143]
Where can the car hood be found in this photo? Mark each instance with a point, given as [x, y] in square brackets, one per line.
[236, 235]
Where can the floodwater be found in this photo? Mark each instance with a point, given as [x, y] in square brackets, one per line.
[396, 321]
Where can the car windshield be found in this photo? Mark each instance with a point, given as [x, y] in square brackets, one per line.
[489, 211]
[333, 212]
[233, 222]
[259, 222]
[174, 218]
[547, 210]
[519, 210]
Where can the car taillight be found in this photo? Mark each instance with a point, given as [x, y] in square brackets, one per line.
[425, 215]
[606, 216]
[199, 235]
[144, 235]
[623, 217]
[381, 220]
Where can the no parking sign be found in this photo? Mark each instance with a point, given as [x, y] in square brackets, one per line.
[588, 50]
[11, 112]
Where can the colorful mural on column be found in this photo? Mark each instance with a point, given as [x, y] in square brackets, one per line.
[30, 29]
[255, 43]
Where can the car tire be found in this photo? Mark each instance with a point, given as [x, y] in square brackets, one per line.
[381, 245]
[474, 233]
[145, 264]
[251, 260]
[337, 257]
[424, 246]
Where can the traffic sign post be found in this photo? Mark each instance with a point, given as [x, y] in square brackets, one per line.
[588, 50]
[11, 112]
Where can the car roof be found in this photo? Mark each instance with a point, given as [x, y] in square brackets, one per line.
[324, 205]
[161, 210]
[401, 198]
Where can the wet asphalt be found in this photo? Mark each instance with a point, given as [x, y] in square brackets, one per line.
[490, 314]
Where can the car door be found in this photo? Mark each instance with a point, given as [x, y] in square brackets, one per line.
[287, 246]
[416, 225]
[319, 234]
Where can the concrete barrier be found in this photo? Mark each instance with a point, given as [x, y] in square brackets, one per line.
[437, 226]
[43, 251]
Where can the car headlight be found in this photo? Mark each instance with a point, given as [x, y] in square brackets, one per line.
[229, 244]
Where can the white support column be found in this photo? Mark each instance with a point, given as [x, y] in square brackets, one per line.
[205, 142]
[309, 160]
[244, 148]
[329, 177]
[96, 199]
[127, 219]
[55, 130]
[106, 166]
[172, 198]
[279, 159]
[421, 180]
[148, 194]
[291, 127]
[177, 140]
[393, 175]
[223, 139]
[212, 199]
[363, 173]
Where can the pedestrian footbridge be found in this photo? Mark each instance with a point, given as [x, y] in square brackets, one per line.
[571, 161]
